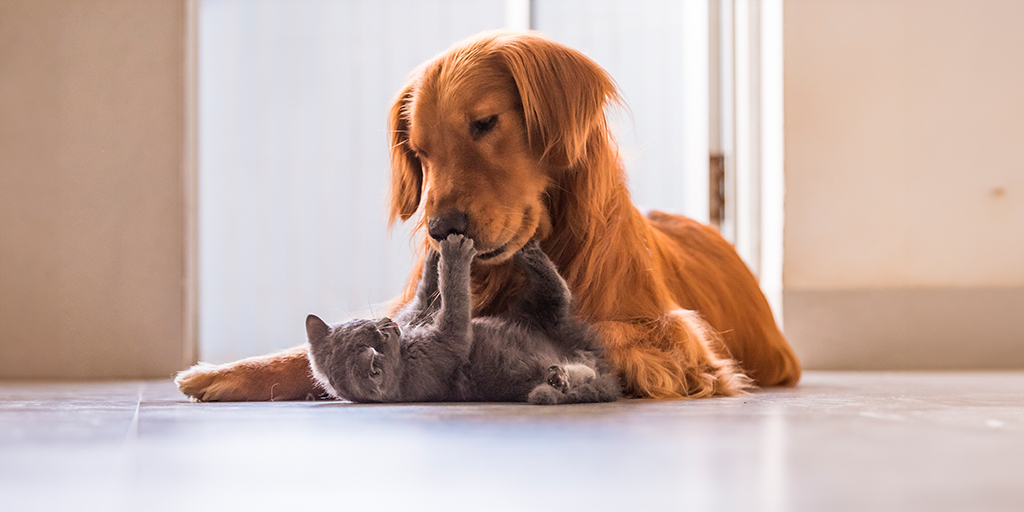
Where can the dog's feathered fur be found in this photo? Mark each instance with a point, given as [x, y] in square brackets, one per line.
[679, 313]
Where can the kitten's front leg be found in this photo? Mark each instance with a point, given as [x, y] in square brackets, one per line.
[456, 296]
[426, 302]
[546, 299]
[427, 288]
[435, 352]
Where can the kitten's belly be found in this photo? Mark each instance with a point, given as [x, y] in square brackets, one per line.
[507, 361]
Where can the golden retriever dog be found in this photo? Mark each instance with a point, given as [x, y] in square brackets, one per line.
[504, 138]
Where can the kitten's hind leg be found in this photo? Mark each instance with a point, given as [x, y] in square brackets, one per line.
[600, 389]
[545, 394]
[574, 384]
[552, 390]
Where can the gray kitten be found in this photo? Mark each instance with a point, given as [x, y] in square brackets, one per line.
[536, 352]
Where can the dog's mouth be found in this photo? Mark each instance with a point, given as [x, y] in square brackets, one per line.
[492, 254]
[517, 240]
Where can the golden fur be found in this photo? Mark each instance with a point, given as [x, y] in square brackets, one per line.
[679, 312]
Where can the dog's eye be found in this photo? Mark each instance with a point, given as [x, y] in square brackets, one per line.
[422, 155]
[480, 127]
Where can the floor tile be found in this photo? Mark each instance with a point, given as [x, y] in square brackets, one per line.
[839, 441]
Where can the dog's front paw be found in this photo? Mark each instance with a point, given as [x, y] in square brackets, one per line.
[280, 376]
[208, 383]
[457, 248]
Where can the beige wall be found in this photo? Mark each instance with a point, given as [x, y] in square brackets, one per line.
[92, 258]
[904, 235]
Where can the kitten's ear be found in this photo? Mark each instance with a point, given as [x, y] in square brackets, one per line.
[374, 358]
[316, 329]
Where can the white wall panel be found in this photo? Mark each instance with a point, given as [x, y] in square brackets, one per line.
[657, 51]
[293, 158]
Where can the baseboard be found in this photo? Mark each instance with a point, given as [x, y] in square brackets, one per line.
[904, 329]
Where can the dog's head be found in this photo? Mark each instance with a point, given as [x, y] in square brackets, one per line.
[480, 133]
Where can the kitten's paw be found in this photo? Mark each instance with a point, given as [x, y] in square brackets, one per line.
[544, 395]
[579, 374]
[532, 256]
[531, 251]
[457, 248]
[533, 246]
[558, 378]
[432, 257]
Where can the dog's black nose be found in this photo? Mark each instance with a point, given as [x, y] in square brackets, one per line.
[447, 223]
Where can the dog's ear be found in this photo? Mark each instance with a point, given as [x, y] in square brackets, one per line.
[564, 94]
[406, 170]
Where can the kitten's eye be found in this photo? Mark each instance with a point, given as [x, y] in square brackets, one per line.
[480, 127]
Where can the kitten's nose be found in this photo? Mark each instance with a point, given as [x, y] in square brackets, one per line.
[448, 223]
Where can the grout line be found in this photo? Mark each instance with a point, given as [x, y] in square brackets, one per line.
[132, 435]
[124, 469]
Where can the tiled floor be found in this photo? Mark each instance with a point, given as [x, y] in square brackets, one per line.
[840, 441]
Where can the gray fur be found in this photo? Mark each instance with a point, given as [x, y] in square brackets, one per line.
[536, 352]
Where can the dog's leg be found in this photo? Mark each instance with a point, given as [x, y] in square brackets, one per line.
[281, 376]
[670, 357]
